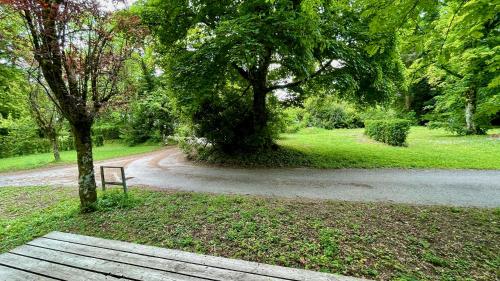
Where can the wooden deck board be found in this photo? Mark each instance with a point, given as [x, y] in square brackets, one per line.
[53, 270]
[195, 270]
[12, 274]
[65, 256]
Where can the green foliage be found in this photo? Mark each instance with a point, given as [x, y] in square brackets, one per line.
[98, 140]
[273, 157]
[328, 113]
[393, 132]
[109, 130]
[150, 119]
[382, 113]
[248, 48]
[293, 117]
[226, 122]
[116, 199]
[456, 50]
[20, 137]
[13, 89]
[322, 112]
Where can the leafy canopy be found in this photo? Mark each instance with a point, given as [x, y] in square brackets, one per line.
[254, 47]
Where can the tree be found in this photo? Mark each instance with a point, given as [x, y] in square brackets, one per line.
[459, 56]
[218, 54]
[13, 85]
[80, 49]
[46, 116]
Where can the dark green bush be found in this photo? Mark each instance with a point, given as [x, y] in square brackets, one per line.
[392, 132]
[107, 131]
[226, 122]
[98, 140]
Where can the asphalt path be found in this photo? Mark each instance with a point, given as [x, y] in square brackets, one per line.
[168, 169]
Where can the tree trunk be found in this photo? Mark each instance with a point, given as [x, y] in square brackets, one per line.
[408, 101]
[470, 111]
[55, 147]
[259, 109]
[86, 176]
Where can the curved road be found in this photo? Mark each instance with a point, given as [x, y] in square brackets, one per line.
[168, 169]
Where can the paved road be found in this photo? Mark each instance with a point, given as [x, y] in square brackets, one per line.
[168, 169]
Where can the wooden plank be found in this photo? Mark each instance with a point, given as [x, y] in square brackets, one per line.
[56, 271]
[150, 262]
[11, 274]
[114, 269]
[217, 262]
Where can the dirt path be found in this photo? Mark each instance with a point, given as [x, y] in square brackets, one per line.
[168, 169]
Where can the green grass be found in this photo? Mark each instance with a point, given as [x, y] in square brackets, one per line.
[373, 240]
[108, 151]
[350, 148]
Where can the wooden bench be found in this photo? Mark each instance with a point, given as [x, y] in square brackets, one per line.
[64, 256]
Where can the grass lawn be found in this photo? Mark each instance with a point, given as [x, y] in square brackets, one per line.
[346, 148]
[372, 240]
[108, 151]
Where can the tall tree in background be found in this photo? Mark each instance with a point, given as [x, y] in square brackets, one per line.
[46, 116]
[459, 55]
[13, 85]
[80, 49]
[251, 49]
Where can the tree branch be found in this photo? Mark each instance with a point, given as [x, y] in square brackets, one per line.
[449, 71]
[297, 83]
[242, 72]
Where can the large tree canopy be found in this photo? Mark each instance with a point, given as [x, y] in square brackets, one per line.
[456, 48]
[252, 48]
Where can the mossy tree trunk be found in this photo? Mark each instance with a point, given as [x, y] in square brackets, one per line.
[86, 175]
[470, 111]
[55, 146]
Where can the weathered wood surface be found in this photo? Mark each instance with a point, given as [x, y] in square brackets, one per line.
[64, 256]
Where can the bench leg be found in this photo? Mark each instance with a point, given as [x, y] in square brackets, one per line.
[103, 181]
[124, 181]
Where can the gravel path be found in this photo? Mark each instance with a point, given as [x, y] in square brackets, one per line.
[168, 169]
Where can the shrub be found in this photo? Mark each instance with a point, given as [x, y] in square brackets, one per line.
[150, 119]
[293, 118]
[328, 113]
[226, 122]
[107, 131]
[322, 112]
[392, 132]
[20, 137]
[98, 140]
[66, 142]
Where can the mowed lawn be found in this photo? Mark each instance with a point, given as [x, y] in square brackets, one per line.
[378, 241]
[107, 151]
[346, 148]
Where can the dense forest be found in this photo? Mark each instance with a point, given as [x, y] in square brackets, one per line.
[236, 74]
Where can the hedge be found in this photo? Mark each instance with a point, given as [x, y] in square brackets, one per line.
[392, 132]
